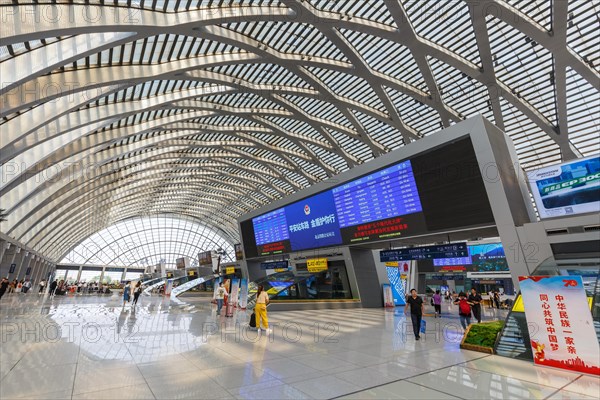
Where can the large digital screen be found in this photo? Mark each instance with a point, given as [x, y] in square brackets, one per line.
[357, 211]
[487, 257]
[567, 189]
[424, 252]
[436, 190]
[205, 258]
[239, 252]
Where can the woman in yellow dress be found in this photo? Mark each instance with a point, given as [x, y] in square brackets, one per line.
[262, 299]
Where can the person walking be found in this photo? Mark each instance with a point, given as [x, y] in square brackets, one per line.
[262, 300]
[220, 296]
[42, 286]
[53, 287]
[126, 292]
[475, 300]
[3, 286]
[497, 299]
[437, 304]
[417, 308]
[137, 291]
[26, 286]
[464, 309]
[12, 286]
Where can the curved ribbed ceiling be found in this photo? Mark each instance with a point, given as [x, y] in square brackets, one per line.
[210, 109]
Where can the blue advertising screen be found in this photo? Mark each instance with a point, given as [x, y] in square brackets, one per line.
[313, 222]
[482, 257]
[569, 188]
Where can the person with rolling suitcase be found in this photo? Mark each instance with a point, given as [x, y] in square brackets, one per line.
[252, 322]
[262, 300]
[220, 296]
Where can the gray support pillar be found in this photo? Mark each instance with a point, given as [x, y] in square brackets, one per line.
[37, 269]
[26, 265]
[24, 260]
[12, 261]
[365, 270]
[506, 191]
[4, 245]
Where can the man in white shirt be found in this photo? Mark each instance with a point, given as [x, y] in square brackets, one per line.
[220, 296]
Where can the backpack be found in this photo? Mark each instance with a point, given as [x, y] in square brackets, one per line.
[464, 308]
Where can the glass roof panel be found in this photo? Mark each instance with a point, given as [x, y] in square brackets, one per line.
[422, 118]
[349, 86]
[533, 146]
[539, 11]
[524, 66]
[373, 10]
[583, 113]
[583, 35]
[447, 23]
[147, 241]
[461, 92]
[387, 57]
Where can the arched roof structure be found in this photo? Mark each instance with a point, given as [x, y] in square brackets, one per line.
[114, 109]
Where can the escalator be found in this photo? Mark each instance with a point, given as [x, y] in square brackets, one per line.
[285, 286]
[192, 283]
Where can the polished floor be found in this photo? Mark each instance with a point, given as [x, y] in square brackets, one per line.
[90, 347]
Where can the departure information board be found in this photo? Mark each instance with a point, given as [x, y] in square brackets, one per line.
[435, 191]
[271, 227]
[387, 193]
[425, 253]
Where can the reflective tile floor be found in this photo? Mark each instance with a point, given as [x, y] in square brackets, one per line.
[93, 348]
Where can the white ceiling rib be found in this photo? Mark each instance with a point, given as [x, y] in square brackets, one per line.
[212, 108]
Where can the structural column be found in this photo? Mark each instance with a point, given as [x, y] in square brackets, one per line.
[3, 247]
[26, 265]
[36, 270]
[24, 259]
[12, 261]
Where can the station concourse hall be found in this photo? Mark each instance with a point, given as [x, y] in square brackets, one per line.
[299, 199]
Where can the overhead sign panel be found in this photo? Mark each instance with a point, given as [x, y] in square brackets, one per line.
[274, 265]
[425, 252]
[316, 264]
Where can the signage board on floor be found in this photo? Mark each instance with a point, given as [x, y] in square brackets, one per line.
[560, 326]
[398, 284]
[235, 290]
[243, 293]
[388, 298]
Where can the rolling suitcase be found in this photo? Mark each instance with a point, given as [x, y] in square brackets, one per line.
[229, 310]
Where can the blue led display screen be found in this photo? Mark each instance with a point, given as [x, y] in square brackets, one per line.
[384, 194]
[313, 222]
[367, 208]
[271, 227]
[407, 198]
[482, 257]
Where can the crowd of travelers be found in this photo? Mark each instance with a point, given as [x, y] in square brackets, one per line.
[59, 287]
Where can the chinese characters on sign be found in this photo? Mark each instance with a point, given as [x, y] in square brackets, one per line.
[560, 324]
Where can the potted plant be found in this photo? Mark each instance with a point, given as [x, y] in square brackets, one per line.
[482, 337]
